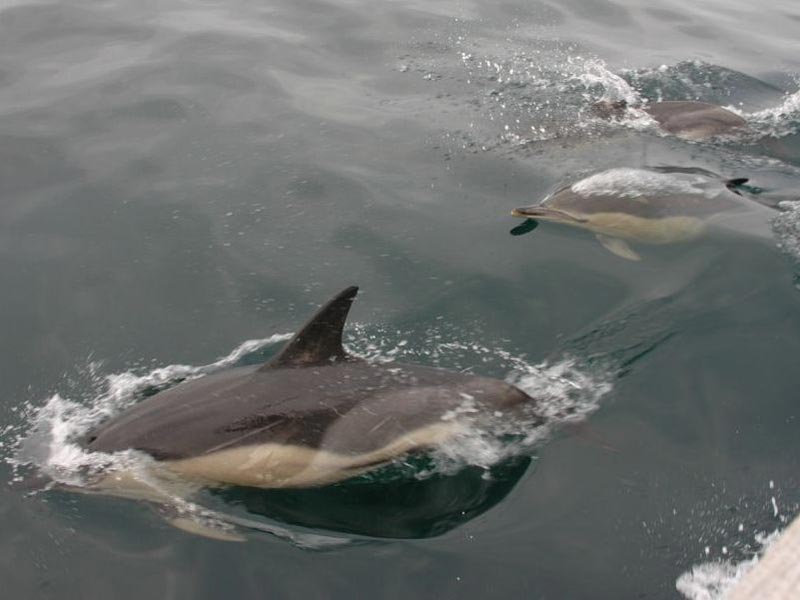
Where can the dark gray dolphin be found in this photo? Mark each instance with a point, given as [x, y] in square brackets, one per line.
[654, 205]
[687, 119]
[313, 415]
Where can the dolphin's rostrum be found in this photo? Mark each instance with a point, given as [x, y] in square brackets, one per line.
[313, 415]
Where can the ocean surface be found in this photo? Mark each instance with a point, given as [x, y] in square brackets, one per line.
[182, 183]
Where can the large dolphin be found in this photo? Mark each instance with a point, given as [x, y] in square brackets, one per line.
[312, 416]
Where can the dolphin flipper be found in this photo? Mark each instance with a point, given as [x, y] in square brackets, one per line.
[526, 226]
[230, 528]
[203, 527]
[618, 247]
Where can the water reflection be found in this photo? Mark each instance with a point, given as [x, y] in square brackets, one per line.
[385, 506]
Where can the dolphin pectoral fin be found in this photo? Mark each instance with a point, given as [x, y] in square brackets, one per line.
[213, 532]
[527, 226]
[200, 524]
[305, 540]
[618, 247]
[229, 528]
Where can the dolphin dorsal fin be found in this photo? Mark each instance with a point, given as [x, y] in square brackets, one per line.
[320, 340]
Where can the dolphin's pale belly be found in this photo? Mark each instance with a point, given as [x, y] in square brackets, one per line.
[287, 466]
[663, 230]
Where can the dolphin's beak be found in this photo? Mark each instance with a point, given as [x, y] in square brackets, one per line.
[526, 212]
[546, 214]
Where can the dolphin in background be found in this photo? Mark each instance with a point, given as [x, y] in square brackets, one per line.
[686, 119]
[652, 205]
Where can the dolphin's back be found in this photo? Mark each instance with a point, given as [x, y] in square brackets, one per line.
[649, 193]
[694, 119]
[347, 408]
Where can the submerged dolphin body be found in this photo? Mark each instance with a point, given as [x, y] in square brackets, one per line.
[654, 205]
[687, 119]
[695, 120]
[313, 415]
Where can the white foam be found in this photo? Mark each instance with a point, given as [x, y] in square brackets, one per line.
[49, 443]
[779, 121]
[563, 393]
[543, 94]
[710, 581]
[786, 227]
[594, 73]
[713, 580]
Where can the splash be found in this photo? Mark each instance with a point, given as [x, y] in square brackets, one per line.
[736, 544]
[565, 390]
[786, 228]
[50, 445]
[780, 121]
[544, 94]
[50, 441]
[607, 86]
[564, 393]
[698, 80]
[713, 580]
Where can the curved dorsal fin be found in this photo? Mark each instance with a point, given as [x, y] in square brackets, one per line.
[320, 340]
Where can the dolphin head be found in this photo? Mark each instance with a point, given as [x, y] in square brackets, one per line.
[610, 110]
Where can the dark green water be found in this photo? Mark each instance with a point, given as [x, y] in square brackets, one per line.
[177, 178]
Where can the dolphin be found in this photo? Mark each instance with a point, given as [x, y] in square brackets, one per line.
[652, 205]
[313, 415]
[690, 120]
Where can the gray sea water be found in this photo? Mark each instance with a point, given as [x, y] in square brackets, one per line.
[177, 178]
